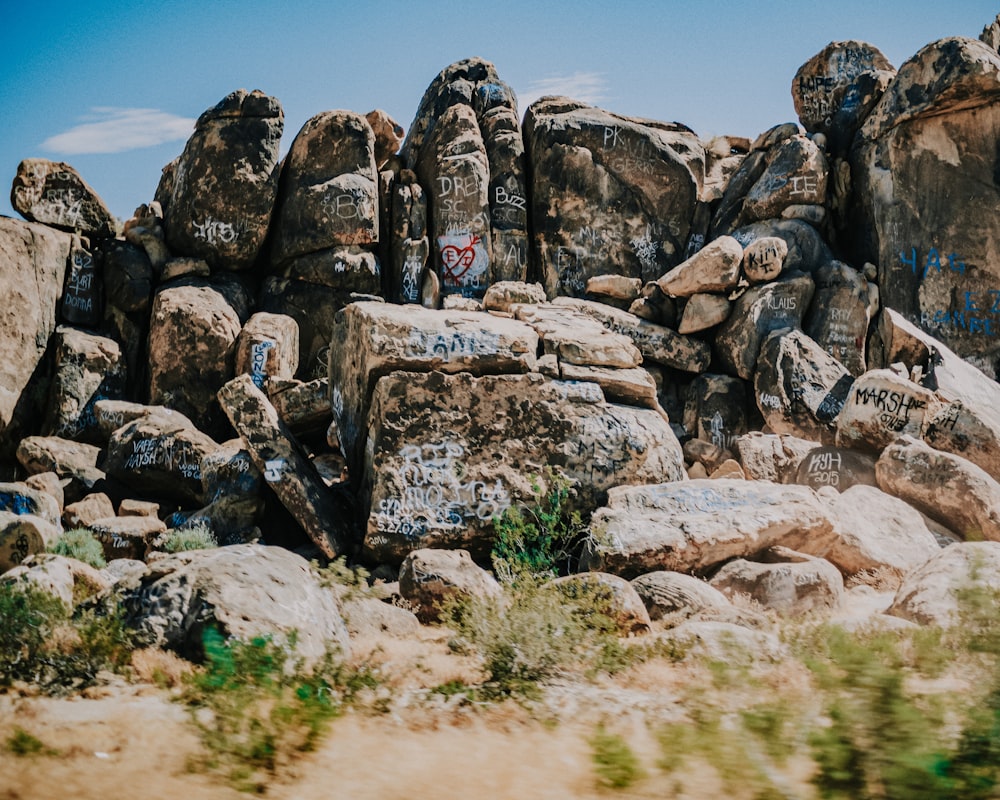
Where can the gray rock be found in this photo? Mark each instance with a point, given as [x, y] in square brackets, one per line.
[53, 193]
[245, 590]
[666, 593]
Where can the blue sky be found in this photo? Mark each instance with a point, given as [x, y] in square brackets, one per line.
[114, 88]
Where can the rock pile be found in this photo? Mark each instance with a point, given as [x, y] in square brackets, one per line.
[379, 344]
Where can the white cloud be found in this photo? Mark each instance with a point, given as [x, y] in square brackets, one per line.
[587, 87]
[115, 130]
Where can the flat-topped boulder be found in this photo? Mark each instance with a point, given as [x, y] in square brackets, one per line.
[694, 525]
[372, 339]
[448, 453]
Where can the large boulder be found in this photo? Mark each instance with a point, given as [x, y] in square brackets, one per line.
[373, 339]
[33, 262]
[324, 514]
[880, 407]
[930, 594]
[245, 591]
[945, 487]
[877, 533]
[192, 343]
[610, 194]
[937, 251]
[448, 453]
[328, 194]
[218, 199]
[835, 90]
[695, 525]
[88, 368]
[53, 193]
[429, 579]
[665, 593]
[466, 149]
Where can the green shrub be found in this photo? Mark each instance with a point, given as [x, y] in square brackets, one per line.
[197, 537]
[22, 743]
[616, 765]
[41, 642]
[534, 633]
[81, 544]
[255, 706]
[540, 540]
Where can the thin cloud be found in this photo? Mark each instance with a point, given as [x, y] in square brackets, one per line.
[587, 87]
[116, 130]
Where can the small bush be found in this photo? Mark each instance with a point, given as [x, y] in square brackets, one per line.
[41, 642]
[255, 707]
[539, 540]
[197, 537]
[22, 743]
[616, 765]
[81, 544]
[533, 634]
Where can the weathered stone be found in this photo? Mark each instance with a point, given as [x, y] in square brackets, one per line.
[65, 578]
[970, 432]
[128, 276]
[192, 337]
[503, 295]
[268, 348]
[223, 187]
[88, 368]
[634, 387]
[245, 591]
[764, 259]
[409, 247]
[695, 525]
[577, 338]
[83, 294]
[800, 388]
[346, 269]
[703, 311]
[113, 414]
[130, 507]
[759, 311]
[655, 306]
[53, 454]
[945, 487]
[372, 339]
[656, 342]
[22, 535]
[730, 468]
[723, 157]
[784, 581]
[724, 641]
[772, 457]
[388, 135]
[328, 194]
[705, 454]
[807, 251]
[623, 604]
[27, 319]
[666, 593]
[614, 287]
[313, 307]
[795, 173]
[429, 578]
[991, 34]
[876, 531]
[303, 406]
[91, 508]
[324, 514]
[185, 268]
[447, 453]
[716, 410]
[610, 194]
[839, 314]
[19, 498]
[929, 595]
[454, 167]
[160, 458]
[714, 268]
[53, 193]
[937, 252]
[835, 90]
[836, 467]
[127, 537]
[50, 483]
[367, 616]
[882, 406]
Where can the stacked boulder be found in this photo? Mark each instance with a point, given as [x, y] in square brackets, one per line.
[729, 347]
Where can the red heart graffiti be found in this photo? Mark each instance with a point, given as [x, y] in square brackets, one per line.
[457, 261]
